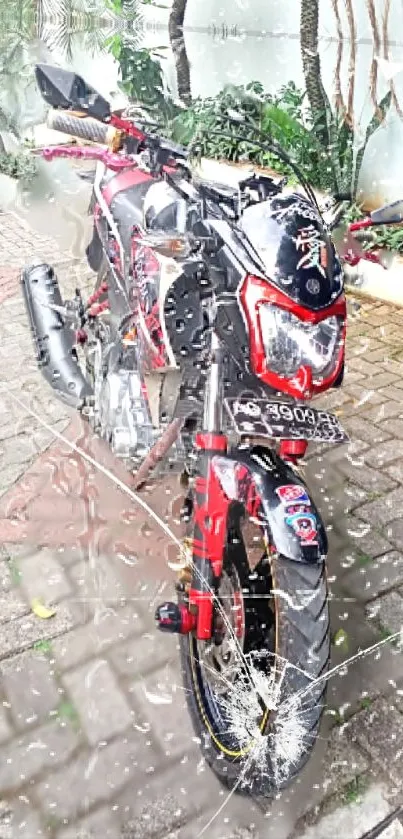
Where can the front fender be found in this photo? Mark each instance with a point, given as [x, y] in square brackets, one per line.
[278, 498]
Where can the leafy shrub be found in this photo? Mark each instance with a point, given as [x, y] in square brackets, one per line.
[283, 117]
[385, 236]
[207, 126]
[18, 166]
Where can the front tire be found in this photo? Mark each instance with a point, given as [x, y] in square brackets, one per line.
[259, 726]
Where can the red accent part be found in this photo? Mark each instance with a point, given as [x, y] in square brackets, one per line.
[247, 491]
[146, 272]
[372, 256]
[144, 390]
[210, 513]
[210, 519]
[103, 288]
[238, 608]
[188, 620]
[203, 600]
[211, 442]
[290, 494]
[128, 127]
[116, 162]
[304, 526]
[255, 292]
[352, 258]
[360, 225]
[97, 310]
[292, 449]
[81, 336]
[125, 180]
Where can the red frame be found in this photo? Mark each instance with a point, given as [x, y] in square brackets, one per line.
[255, 292]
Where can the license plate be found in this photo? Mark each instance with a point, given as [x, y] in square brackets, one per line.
[284, 421]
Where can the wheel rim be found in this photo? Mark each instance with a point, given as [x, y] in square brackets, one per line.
[225, 675]
[219, 655]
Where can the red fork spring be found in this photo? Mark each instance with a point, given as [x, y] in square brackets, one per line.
[97, 310]
[103, 288]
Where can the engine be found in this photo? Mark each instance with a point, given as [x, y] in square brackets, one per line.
[127, 413]
[121, 413]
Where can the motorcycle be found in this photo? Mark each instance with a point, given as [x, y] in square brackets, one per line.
[218, 314]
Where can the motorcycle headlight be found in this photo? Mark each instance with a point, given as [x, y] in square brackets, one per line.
[291, 343]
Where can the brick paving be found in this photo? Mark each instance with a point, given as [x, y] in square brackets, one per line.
[95, 736]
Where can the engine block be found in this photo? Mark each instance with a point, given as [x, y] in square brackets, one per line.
[123, 415]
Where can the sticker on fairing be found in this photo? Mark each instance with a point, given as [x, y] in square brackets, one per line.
[292, 493]
[304, 526]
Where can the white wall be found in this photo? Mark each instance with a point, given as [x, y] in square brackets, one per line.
[266, 48]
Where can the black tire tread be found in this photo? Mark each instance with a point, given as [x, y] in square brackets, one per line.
[303, 626]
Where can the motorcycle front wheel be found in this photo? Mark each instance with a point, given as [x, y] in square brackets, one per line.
[256, 691]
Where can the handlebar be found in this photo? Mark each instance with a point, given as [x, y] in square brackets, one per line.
[83, 127]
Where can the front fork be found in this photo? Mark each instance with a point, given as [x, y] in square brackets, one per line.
[210, 508]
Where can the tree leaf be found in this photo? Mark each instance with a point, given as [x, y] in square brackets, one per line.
[42, 611]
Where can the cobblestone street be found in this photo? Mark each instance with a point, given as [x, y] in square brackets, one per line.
[94, 730]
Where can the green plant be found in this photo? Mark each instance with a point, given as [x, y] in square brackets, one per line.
[14, 571]
[285, 117]
[44, 647]
[384, 236]
[390, 238]
[365, 703]
[340, 640]
[336, 716]
[364, 559]
[18, 166]
[67, 711]
[208, 124]
[354, 790]
[141, 76]
[52, 823]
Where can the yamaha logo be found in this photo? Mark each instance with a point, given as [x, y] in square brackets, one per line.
[313, 286]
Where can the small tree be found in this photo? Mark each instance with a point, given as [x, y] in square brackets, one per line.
[318, 101]
[334, 128]
[175, 27]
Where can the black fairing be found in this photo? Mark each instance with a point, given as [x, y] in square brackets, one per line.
[299, 257]
[127, 210]
[94, 251]
[269, 474]
[184, 318]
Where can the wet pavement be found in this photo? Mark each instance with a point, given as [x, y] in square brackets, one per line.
[94, 731]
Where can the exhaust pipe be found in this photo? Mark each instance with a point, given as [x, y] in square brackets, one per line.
[53, 337]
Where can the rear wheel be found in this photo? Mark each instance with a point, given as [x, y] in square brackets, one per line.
[251, 690]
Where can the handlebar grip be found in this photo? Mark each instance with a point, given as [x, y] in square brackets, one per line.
[83, 127]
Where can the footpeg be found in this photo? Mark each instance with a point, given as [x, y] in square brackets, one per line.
[176, 618]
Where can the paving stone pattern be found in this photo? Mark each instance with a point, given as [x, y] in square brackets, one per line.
[95, 736]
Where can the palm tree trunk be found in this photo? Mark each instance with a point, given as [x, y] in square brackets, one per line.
[175, 27]
[309, 27]
[385, 29]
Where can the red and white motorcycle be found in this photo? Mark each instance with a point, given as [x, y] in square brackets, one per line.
[217, 315]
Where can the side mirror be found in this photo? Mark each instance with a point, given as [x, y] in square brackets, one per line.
[392, 213]
[63, 89]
